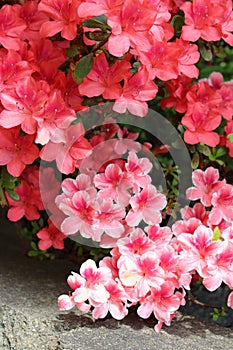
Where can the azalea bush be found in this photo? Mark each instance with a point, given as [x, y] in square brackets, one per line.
[116, 146]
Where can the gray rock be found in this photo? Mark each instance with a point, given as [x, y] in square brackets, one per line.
[30, 319]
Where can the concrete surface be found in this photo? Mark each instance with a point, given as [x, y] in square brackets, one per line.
[30, 319]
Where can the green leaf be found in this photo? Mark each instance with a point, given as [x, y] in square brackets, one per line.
[14, 195]
[97, 36]
[206, 53]
[217, 234]
[230, 137]
[204, 149]
[9, 185]
[177, 22]
[220, 162]
[212, 157]
[32, 253]
[34, 247]
[219, 51]
[195, 160]
[220, 152]
[3, 200]
[83, 67]
[72, 51]
[6, 177]
[96, 22]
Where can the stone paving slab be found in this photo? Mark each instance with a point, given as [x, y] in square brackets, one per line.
[30, 319]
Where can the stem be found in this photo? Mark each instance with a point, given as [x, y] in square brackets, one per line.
[102, 43]
[21, 237]
[197, 302]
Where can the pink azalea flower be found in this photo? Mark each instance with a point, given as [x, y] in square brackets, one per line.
[201, 20]
[29, 204]
[55, 115]
[110, 241]
[94, 281]
[202, 116]
[222, 201]
[115, 303]
[187, 226]
[206, 184]
[153, 59]
[12, 69]
[177, 90]
[64, 15]
[104, 79]
[46, 58]
[161, 236]
[221, 269]
[50, 237]
[70, 91]
[136, 90]
[113, 184]
[141, 15]
[227, 233]
[146, 206]
[137, 170]
[197, 248]
[81, 183]
[227, 24]
[126, 141]
[108, 217]
[65, 302]
[11, 26]
[141, 272]
[66, 147]
[22, 103]
[90, 8]
[16, 151]
[33, 20]
[226, 92]
[80, 215]
[188, 56]
[137, 243]
[162, 301]
[198, 211]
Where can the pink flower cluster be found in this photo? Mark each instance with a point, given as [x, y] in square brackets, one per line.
[111, 202]
[206, 104]
[154, 267]
[143, 268]
[205, 235]
[30, 203]
[39, 100]
[128, 51]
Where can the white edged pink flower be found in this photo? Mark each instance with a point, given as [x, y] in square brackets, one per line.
[222, 202]
[138, 169]
[137, 243]
[221, 269]
[146, 206]
[141, 272]
[206, 184]
[162, 302]
[114, 184]
[108, 217]
[93, 287]
[197, 248]
[116, 303]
